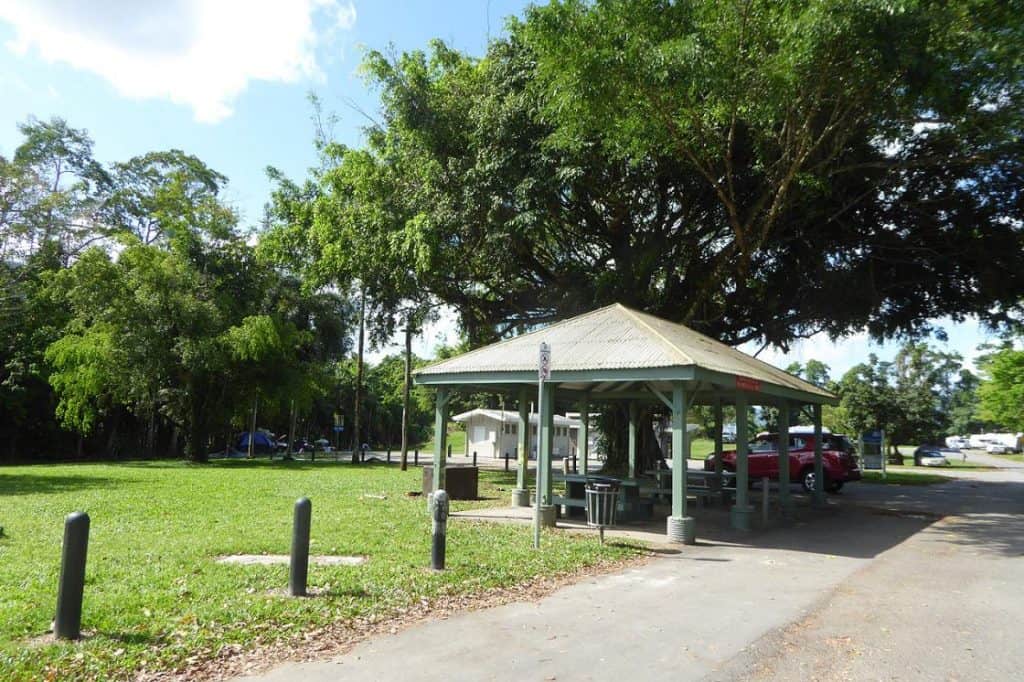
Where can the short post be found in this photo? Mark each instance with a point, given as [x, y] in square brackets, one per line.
[416, 457]
[449, 450]
[575, 464]
[764, 501]
[299, 567]
[68, 623]
[439, 527]
[506, 460]
[389, 455]
[474, 458]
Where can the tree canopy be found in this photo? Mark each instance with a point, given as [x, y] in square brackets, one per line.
[755, 170]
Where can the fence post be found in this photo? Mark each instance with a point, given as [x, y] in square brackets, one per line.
[298, 568]
[764, 501]
[506, 460]
[416, 457]
[474, 458]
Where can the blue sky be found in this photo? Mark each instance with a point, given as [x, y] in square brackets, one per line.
[228, 81]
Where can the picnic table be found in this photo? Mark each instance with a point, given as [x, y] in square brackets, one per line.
[632, 504]
[699, 482]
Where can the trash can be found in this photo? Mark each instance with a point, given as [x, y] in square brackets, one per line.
[602, 499]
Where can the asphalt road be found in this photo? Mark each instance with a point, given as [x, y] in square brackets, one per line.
[894, 583]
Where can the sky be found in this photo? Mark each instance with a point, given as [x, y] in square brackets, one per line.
[229, 81]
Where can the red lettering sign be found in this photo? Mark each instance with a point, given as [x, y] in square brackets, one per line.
[748, 384]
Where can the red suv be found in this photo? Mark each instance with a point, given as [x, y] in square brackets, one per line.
[837, 458]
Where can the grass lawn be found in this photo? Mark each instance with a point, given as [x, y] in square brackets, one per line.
[155, 597]
[457, 439]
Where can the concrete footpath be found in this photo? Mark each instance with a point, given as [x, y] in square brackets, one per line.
[908, 582]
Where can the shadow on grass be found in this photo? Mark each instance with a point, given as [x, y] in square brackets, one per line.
[37, 484]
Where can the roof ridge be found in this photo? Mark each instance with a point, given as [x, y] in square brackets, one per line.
[715, 342]
[519, 336]
[636, 315]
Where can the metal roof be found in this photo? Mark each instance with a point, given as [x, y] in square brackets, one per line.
[601, 345]
[510, 417]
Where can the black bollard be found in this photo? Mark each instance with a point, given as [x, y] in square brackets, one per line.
[298, 569]
[389, 455]
[474, 458]
[68, 623]
[439, 512]
[416, 457]
[449, 450]
[506, 461]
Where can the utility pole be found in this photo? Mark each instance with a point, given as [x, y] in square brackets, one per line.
[405, 394]
[356, 443]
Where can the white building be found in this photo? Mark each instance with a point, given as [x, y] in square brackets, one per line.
[492, 433]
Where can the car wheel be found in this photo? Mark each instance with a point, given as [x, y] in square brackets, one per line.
[807, 480]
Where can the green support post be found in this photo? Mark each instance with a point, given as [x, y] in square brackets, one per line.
[521, 494]
[718, 436]
[632, 439]
[549, 443]
[819, 468]
[785, 501]
[680, 527]
[440, 436]
[741, 511]
[583, 435]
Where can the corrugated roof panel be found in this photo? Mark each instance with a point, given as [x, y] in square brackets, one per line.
[616, 337]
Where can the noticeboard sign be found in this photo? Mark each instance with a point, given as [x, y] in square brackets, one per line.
[872, 451]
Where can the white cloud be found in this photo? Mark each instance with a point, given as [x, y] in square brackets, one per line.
[198, 53]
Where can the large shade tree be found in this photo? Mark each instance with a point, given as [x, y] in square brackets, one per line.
[756, 170]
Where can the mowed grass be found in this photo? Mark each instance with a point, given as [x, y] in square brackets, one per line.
[155, 597]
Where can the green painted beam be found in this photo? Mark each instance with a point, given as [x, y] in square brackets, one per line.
[544, 442]
[680, 451]
[583, 435]
[785, 503]
[523, 445]
[819, 467]
[440, 437]
[632, 439]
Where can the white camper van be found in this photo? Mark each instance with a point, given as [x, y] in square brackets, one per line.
[1011, 441]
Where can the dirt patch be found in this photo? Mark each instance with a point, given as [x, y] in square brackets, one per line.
[337, 638]
[272, 559]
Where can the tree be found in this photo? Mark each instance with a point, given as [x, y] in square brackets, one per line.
[1001, 393]
[731, 166]
[907, 397]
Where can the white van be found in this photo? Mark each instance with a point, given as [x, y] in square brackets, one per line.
[1012, 441]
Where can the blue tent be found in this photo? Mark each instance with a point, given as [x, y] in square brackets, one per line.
[261, 442]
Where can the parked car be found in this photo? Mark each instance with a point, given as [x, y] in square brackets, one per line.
[999, 449]
[839, 464]
[930, 456]
[958, 442]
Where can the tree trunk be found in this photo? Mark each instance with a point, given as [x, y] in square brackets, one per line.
[251, 450]
[151, 434]
[615, 430]
[112, 436]
[291, 430]
[405, 395]
[356, 443]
